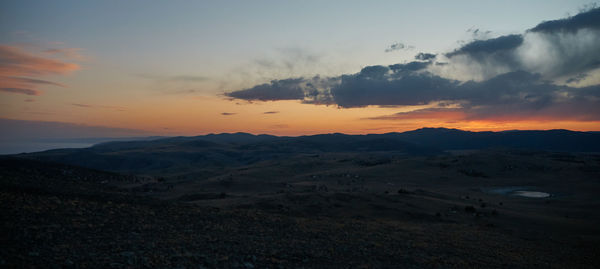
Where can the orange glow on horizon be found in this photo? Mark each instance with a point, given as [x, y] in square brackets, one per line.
[174, 115]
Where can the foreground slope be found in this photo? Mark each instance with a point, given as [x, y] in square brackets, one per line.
[67, 216]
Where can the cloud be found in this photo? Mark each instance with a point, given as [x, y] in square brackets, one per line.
[189, 78]
[479, 33]
[177, 84]
[24, 85]
[425, 56]
[484, 48]
[69, 53]
[587, 19]
[335, 90]
[35, 81]
[398, 46]
[185, 91]
[514, 96]
[380, 85]
[270, 112]
[556, 49]
[511, 77]
[16, 62]
[82, 105]
[411, 66]
[228, 114]
[279, 126]
[441, 114]
[18, 66]
[118, 108]
[290, 58]
[180, 78]
[285, 89]
[20, 91]
[507, 96]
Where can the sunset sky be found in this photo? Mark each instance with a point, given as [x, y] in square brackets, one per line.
[132, 68]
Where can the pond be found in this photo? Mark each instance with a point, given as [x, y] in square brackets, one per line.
[532, 194]
[522, 191]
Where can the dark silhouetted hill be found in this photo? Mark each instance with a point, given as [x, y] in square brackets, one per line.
[208, 153]
[551, 140]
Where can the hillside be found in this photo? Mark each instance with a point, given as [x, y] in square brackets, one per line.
[205, 154]
[75, 217]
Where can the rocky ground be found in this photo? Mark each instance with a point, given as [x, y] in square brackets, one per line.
[57, 216]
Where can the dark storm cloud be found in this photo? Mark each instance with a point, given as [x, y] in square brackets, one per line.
[479, 48]
[566, 47]
[285, 89]
[576, 79]
[572, 42]
[310, 90]
[380, 85]
[511, 96]
[519, 82]
[504, 96]
[411, 66]
[589, 19]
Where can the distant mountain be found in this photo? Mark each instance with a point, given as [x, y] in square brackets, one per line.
[238, 138]
[551, 140]
[208, 153]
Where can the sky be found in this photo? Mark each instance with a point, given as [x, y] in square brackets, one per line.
[72, 69]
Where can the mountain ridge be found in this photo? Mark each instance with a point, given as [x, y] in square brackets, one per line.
[209, 153]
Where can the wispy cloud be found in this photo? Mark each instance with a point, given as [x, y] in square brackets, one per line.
[30, 81]
[17, 62]
[20, 91]
[189, 78]
[67, 53]
[279, 126]
[228, 114]
[398, 46]
[118, 108]
[270, 112]
[17, 67]
[181, 78]
[176, 84]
